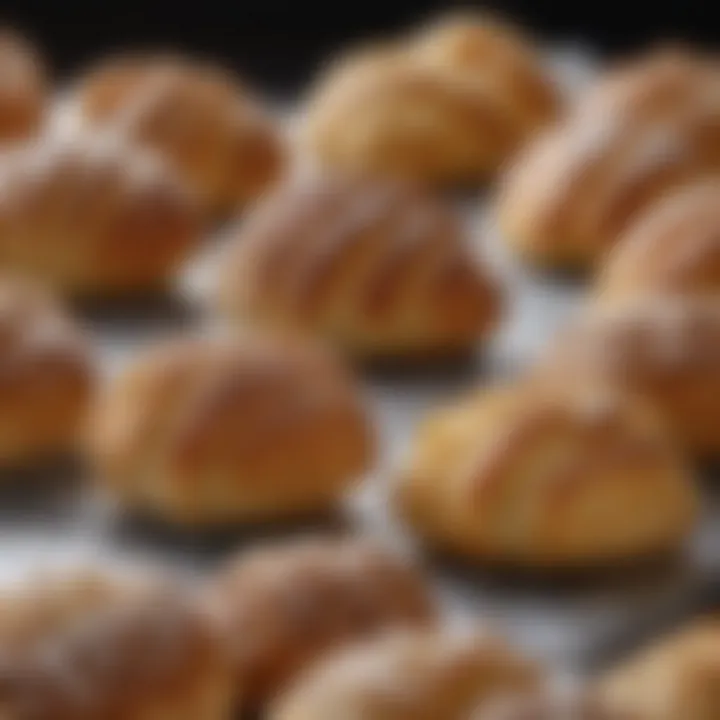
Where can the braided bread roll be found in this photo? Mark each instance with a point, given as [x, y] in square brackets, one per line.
[378, 268]
[547, 477]
[567, 198]
[23, 91]
[664, 348]
[91, 215]
[219, 138]
[284, 607]
[90, 646]
[46, 376]
[675, 679]
[446, 106]
[214, 430]
[406, 675]
[672, 248]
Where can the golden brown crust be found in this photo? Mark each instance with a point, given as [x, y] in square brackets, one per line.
[421, 675]
[89, 646]
[284, 607]
[665, 348]
[547, 477]
[200, 117]
[570, 195]
[46, 376]
[673, 247]
[676, 679]
[22, 88]
[379, 268]
[91, 215]
[447, 105]
[218, 430]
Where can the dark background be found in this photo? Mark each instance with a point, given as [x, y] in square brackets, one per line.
[279, 44]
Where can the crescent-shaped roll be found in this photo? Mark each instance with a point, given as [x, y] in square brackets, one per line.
[569, 196]
[447, 105]
[87, 646]
[377, 267]
[284, 607]
[23, 88]
[91, 215]
[212, 430]
[672, 248]
[664, 348]
[408, 675]
[217, 135]
[676, 678]
[46, 376]
[547, 477]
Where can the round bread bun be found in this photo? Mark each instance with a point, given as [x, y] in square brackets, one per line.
[46, 376]
[90, 215]
[23, 88]
[88, 646]
[672, 248]
[378, 268]
[447, 105]
[408, 675]
[544, 477]
[664, 348]
[282, 607]
[213, 430]
[675, 679]
[206, 123]
[570, 195]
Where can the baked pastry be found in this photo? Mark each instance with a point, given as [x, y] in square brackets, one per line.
[92, 216]
[220, 139]
[406, 675]
[22, 88]
[666, 81]
[46, 376]
[665, 348]
[503, 56]
[673, 247]
[447, 105]
[92, 646]
[377, 267]
[676, 679]
[544, 477]
[216, 430]
[284, 607]
[570, 195]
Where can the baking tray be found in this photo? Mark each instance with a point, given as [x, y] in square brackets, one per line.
[48, 518]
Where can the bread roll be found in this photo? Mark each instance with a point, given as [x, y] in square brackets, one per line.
[665, 348]
[211, 430]
[92, 216]
[543, 477]
[46, 376]
[675, 679]
[378, 268]
[421, 675]
[672, 248]
[445, 106]
[284, 607]
[567, 199]
[219, 138]
[88, 646]
[23, 88]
